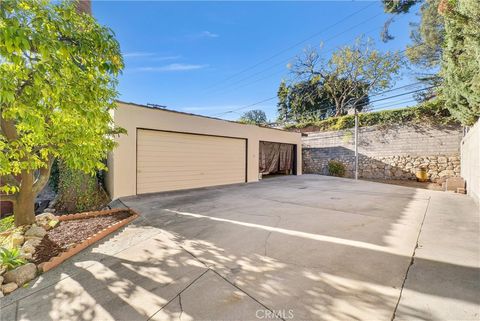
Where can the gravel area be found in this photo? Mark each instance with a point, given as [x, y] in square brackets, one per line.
[70, 233]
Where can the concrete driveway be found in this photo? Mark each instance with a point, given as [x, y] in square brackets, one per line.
[302, 248]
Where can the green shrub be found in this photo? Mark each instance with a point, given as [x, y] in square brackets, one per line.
[7, 223]
[54, 176]
[79, 192]
[336, 168]
[431, 112]
[10, 259]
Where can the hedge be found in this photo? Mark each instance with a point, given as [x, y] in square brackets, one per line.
[432, 112]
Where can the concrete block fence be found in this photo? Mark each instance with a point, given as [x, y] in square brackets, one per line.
[388, 152]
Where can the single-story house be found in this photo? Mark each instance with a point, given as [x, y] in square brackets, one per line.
[167, 150]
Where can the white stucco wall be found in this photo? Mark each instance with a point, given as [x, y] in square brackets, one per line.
[470, 159]
[121, 177]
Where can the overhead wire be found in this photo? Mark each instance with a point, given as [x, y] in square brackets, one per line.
[294, 45]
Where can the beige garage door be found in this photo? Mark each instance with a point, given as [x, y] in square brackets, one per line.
[169, 161]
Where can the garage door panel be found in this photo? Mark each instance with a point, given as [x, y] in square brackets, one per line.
[146, 174]
[170, 161]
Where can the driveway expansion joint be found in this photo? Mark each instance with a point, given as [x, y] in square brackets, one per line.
[411, 261]
[209, 268]
[178, 295]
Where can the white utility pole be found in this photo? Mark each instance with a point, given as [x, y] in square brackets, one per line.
[356, 143]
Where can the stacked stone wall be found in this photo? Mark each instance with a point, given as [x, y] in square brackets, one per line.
[393, 152]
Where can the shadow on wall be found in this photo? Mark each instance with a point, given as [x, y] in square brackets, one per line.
[315, 161]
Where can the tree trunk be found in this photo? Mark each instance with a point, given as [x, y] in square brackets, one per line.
[24, 206]
[338, 109]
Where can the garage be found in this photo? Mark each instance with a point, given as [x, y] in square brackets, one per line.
[276, 159]
[169, 161]
[168, 150]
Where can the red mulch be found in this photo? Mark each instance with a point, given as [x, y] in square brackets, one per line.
[69, 233]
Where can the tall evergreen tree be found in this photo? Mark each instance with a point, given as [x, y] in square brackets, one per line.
[461, 59]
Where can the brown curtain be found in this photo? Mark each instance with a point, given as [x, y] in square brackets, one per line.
[275, 157]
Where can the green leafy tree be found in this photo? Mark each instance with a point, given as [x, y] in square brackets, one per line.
[461, 59]
[254, 117]
[351, 74]
[309, 101]
[282, 105]
[427, 36]
[58, 74]
[399, 6]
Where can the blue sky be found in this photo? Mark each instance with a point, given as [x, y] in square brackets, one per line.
[193, 56]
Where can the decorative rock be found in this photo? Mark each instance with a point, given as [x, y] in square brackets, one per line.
[47, 220]
[35, 231]
[21, 274]
[1, 280]
[17, 239]
[442, 160]
[45, 216]
[447, 173]
[28, 248]
[9, 287]
[26, 256]
[32, 242]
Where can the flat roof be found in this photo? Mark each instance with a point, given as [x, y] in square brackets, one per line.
[195, 115]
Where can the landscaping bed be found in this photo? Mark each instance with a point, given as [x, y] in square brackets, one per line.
[27, 250]
[72, 232]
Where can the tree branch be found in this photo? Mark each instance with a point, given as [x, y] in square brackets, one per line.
[8, 129]
[44, 175]
[9, 179]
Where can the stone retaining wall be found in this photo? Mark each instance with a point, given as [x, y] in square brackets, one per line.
[393, 152]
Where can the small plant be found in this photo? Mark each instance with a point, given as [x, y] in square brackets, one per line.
[336, 168]
[10, 259]
[7, 223]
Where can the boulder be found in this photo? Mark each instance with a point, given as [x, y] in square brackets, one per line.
[26, 256]
[21, 274]
[47, 220]
[35, 231]
[9, 287]
[17, 240]
[33, 242]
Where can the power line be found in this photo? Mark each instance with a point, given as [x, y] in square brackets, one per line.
[330, 107]
[271, 98]
[292, 57]
[251, 105]
[278, 72]
[369, 111]
[227, 86]
[268, 99]
[292, 46]
[318, 112]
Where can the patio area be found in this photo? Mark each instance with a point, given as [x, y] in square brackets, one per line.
[294, 248]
